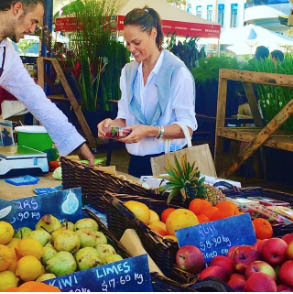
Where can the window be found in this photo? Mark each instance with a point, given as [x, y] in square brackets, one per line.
[198, 11]
[221, 13]
[189, 8]
[210, 12]
[233, 19]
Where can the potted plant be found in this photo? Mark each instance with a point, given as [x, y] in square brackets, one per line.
[96, 57]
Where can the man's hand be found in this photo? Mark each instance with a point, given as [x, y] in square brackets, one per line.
[85, 153]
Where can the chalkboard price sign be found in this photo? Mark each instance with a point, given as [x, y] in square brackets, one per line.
[128, 275]
[217, 237]
[64, 204]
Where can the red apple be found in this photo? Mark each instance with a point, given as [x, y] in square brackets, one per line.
[284, 288]
[259, 244]
[286, 273]
[190, 258]
[274, 251]
[225, 262]
[260, 282]
[288, 238]
[213, 271]
[243, 256]
[231, 252]
[262, 267]
[237, 282]
[290, 250]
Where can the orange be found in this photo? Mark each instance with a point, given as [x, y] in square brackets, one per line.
[202, 218]
[179, 219]
[30, 247]
[139, 209]
[153, 216]
[210, 211]
[198, 206]
[7, 257]
[165, 213]
[159, 227]
[228, 208]
[263, 229]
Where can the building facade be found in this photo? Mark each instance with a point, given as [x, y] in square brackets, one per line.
[236, 13]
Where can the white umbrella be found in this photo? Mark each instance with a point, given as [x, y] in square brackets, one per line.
[244, 40]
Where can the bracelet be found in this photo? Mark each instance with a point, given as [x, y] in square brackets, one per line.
[162, 132]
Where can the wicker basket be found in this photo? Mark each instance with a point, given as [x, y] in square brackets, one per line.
[160, 284]
[94, 182]
[279, 229]
[163, 251]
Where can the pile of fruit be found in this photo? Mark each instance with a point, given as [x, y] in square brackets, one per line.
[51, 250]
[199, 211]
[265, 267]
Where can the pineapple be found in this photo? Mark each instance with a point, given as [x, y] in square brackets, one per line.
[214, 195]
[184, 180]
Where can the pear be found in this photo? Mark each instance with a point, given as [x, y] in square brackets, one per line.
[87, 237]
[113, 258]
[63, 263]
[22, 233]
[56, 232]
[100, 238]
[49, 223]
[87, 257]
[40, 235]
[68, 225]
[49, 252]
[86, 223]
[105, 250]
[45, 277]
[67, 241]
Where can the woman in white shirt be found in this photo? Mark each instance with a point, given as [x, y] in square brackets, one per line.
[157, 91]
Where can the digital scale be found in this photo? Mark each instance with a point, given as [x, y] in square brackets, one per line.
[17, 158]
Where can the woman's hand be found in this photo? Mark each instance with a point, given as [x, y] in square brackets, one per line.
[138, 132]
[102, 127]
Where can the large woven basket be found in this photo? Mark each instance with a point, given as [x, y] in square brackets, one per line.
[163, 251]
[160, 284]
[280, 229]
[95, 182]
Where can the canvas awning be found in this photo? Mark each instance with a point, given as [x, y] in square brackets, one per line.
[173, 19]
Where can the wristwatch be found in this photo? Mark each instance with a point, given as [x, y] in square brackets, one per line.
[161, 132]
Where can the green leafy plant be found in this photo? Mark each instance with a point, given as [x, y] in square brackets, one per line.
[97, 58]
[273, 98]
[187, 50]
[184, 181]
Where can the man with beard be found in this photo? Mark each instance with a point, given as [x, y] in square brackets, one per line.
[17, 18]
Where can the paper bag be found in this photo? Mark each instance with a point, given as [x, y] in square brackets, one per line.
[200, 154]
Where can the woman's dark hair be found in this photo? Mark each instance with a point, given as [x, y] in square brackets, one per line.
[147, 18]
[278, 55]
[6, 4]
[262, 52]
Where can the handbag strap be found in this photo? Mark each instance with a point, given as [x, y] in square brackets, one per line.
[186, 134]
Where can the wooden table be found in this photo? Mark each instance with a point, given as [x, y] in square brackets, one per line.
[10, 192]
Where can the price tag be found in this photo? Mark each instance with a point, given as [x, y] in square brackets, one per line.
[62, 204]
[7, 210]
[217, 237]
[128, 275]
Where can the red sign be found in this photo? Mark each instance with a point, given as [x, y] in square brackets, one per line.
[181, 28]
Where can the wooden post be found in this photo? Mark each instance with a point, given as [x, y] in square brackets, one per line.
[262, 136]
[70, 95]
[220, 121]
